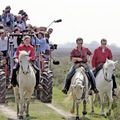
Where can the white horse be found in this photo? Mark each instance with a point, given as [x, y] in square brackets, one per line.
[26, 80]
[79, 91]
[104, 84]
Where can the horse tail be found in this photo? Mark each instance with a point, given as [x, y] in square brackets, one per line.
[68, 98]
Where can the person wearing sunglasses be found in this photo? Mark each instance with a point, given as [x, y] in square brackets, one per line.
[99, 58]
[79, 57]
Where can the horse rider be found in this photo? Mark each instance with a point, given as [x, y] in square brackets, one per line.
[99, 58]
[30, 49]
[79, 57]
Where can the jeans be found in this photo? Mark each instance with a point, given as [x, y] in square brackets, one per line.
[69, 77]
[72, 72]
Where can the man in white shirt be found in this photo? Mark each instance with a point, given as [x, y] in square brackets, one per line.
[3, 42]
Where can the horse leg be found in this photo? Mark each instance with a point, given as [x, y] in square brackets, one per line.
[92, 103]
[77, 111]
[110, 103]
[84, 108]
[21, 104]
[27, 109]
[73, 107]
[17, 100]
[102, 107]
[28, 95]
[17, 109]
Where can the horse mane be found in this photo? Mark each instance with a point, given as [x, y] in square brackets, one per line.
[80, 69]
[76, 76]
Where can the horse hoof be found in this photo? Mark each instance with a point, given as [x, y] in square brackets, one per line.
[108, 113]
[103, 114]
[92, 111]
[77, 118]
[84, 112]
[28, 115]
[72, 111]
[20, 117]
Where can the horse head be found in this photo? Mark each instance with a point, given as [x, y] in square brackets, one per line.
[24, 61]
[78, 83]
[108, 69]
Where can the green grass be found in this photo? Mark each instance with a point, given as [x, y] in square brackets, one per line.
[59, 101]
[39, 111]
[2, 117]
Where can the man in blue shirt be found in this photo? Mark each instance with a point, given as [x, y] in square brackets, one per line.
[40, 40]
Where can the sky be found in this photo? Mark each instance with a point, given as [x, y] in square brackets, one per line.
[90, 19]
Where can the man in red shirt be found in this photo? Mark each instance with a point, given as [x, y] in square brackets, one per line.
[30, 49]
[99, 58]
[79, 56]
[101, 53]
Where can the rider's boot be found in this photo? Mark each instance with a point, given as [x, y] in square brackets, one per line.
[113, 93]
[114, 85]
[14, 76]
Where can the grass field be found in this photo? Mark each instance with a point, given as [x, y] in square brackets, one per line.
[2, 117]
[39, 111]
[60, 101]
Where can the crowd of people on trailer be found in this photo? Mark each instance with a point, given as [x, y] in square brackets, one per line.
[15, 30]
[17, 24]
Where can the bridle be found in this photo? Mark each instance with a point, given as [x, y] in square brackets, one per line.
[28, 69]
[105, 76]
[23, 70]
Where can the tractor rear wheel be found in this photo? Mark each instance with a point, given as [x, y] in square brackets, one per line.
[2, 86]
[45, 93]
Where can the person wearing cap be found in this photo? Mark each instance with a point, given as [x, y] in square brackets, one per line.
[24, 15]
[79, 56]
[99, 58]
[28, 48]
[8, 18]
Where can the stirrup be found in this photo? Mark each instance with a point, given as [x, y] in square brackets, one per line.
[90, 92]
[64, 91]
[96, 90]
[113, 93]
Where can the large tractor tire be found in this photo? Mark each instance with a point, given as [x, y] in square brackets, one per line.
[46, 83]
[2, 86]
[45, 93]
